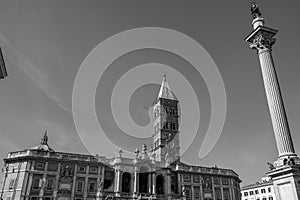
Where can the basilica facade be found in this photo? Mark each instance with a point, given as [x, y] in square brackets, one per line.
[40, 173]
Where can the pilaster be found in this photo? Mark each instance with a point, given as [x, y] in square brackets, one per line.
[74, 182]
[86, 181]
[153, 183]
[41, 194]
[135, 186]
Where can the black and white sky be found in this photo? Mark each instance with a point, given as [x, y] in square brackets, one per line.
[45, 43]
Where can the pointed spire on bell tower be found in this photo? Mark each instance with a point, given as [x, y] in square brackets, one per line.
[165, 91]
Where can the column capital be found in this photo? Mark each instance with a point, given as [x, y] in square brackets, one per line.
[262, 38]
[263, 42]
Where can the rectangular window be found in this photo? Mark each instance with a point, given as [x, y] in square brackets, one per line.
[11, 183]
[39, 165]
[36, 184]
[269, 189]
[196, 179]
[256, 192]
[186, 178]
[226, 194]
[93, 170]
[52, 166]
[263, 190]
[49, 185]
[217, 181]
[225, 181]
[188, 194]
[218, 194]
[197, 194]
[245, 194]
[79, 187]
[91, 187]
[251, 193]
[270, 198]
[81, 169]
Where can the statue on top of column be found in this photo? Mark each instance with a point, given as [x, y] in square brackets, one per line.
[255, 10]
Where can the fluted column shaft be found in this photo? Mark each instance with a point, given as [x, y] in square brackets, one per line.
[278, 115]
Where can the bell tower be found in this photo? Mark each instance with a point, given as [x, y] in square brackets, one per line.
[166, 125]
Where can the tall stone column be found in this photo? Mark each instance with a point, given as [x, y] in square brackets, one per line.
[285, 171]
[168, 185]
[118, 182]
[262, 39]
[149, 183]
[153, 183]
[135, 185]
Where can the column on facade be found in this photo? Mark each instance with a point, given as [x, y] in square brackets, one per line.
[26, 177]
[149, 183]
[30, 168]
[100, 183]
[168, 185]
[192, 192]
[153, 183]
[179, 184]
[86, 181]
[29, 183]
[213, 190]
[17, 180]
[44, 179]
[74, 182]
[118, 182]
[231, 193]
[135, 185]
[201, 188]
[56, 182]
[222, 192]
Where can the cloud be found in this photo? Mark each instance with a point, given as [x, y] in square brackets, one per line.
[36, 75]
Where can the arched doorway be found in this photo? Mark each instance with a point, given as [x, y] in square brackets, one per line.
[126, 177]
[160, 181]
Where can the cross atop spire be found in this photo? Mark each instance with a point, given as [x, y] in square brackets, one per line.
[165, 91]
